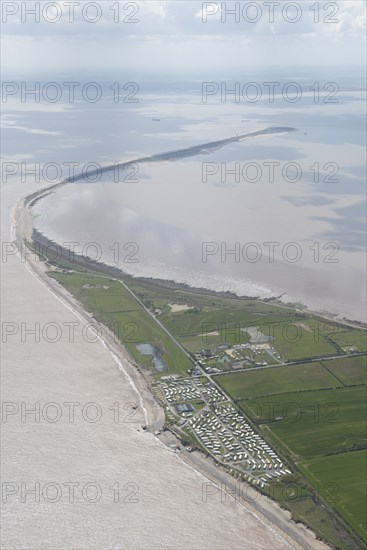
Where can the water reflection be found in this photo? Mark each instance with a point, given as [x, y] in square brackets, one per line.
[171, 211]
[149, 349]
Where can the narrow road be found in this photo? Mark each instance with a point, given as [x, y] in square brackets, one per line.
[300, 362]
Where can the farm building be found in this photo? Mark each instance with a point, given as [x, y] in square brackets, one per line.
[184, 408]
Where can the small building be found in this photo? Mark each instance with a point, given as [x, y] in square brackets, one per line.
[184, 408]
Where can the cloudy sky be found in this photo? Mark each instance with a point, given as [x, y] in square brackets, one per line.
[180, 35]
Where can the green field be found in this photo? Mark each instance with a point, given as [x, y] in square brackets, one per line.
[312, 413]
[257, 382]
[313, 423]
[341, 477]
[229, 322]
[350, 370]
[295, 336]
[352, 338]
[298, 335]
[116, 308]
[322, 431]
[199, 342]
[294, 342]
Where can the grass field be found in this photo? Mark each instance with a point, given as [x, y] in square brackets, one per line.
[277, 380]
[341, 477]
[350, 370]
[320, 519]
[252, 309]
[118, 310]
[298, 335]
[294, 341]
[199, 342]
[293, 338]
[352, 338]
[227, 321]
[322, 431]
[313, 413]
[313, 423]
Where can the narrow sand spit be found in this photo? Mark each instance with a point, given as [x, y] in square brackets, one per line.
[159, 503]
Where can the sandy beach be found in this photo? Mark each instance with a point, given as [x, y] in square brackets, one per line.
[149, 496]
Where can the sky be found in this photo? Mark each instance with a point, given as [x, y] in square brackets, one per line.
[180, 35]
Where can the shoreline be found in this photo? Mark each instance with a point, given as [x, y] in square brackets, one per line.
[296, 534]
[107, 269]
[38, 194]
[43, 241]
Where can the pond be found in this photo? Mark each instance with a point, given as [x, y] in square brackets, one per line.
[149, 349]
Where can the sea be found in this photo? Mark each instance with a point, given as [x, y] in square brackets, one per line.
[276, 215]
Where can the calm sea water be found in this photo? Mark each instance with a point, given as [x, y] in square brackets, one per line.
[260, 233]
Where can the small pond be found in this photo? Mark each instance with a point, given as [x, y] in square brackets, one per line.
[149, 349]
